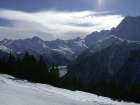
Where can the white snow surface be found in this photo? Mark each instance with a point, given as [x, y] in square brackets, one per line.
[81, 43]
[5, 49]
[17, 92]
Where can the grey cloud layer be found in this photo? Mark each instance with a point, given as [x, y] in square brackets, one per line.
[56, 24]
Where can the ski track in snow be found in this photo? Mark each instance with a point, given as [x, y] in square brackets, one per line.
[17, 92]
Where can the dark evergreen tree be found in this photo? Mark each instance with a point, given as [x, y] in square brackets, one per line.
[11, 64]
[54, 74]
[43, 71]
[29, 68]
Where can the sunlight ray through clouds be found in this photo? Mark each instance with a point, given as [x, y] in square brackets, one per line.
[100, 3]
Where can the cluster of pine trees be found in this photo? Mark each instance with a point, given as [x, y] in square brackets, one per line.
[120, 87]
[29, 68]
[123, 85]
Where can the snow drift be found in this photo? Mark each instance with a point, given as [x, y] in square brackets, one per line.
[17, 92]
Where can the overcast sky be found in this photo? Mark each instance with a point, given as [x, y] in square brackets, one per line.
[66, 19]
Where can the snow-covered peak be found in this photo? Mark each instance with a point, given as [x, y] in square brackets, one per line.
[110, 41]
[129, 28]
[131, 18]
[111, 38]
[36, 38]
[114, 38]
[5, 49]
[5, 40]
[129, 21]
[81, 43]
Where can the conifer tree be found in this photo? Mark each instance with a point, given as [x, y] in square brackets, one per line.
[54, 74]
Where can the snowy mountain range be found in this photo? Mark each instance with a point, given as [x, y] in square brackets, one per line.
[67, 51]
[57, 51]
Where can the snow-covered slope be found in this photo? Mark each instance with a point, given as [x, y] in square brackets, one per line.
[16, 92]
[4, 49]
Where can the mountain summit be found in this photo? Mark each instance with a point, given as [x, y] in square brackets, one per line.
[129, 28]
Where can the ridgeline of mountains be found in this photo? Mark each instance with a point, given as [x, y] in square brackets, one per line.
[63, 52]
[60, 52]
[106, 62]
[111, 65]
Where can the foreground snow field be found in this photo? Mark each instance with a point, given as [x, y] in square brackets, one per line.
[17, 92]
